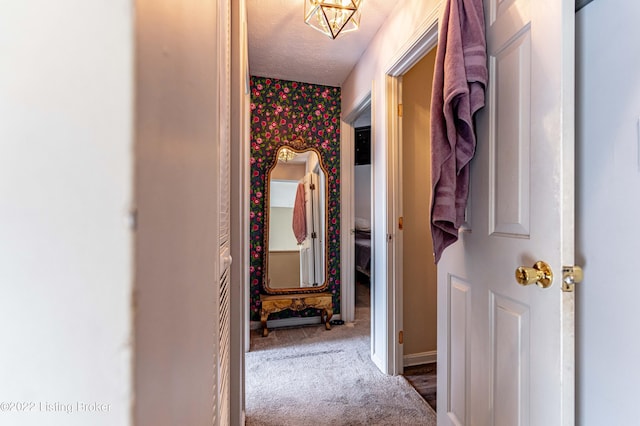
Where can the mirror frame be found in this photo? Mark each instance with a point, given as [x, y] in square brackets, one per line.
[299, 147]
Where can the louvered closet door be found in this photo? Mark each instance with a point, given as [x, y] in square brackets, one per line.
[224, 302]
[222, 405]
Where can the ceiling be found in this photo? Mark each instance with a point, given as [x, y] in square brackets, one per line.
[282, 46]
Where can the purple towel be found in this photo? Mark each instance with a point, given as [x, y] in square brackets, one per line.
[299, 223]
[459, 83]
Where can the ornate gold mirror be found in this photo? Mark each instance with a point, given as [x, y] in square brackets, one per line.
[295, 237]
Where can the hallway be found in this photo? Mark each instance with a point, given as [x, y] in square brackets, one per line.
[310, 376]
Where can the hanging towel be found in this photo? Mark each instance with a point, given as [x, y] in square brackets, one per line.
[299, 215]
[459, 82]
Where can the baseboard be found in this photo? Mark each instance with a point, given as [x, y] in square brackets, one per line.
[290, 322]
[420, 358]
[378, 363]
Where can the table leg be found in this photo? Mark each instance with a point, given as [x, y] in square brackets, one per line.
[263, 319]
[328, 313]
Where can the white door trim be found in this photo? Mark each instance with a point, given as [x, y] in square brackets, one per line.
[425, 39]
[347, 172]
[239, 191]
[394, 211]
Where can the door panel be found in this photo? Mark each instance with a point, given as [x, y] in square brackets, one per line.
[509, 112]
[459, 347]
[510, 334]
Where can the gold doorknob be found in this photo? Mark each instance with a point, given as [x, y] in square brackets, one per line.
[540, 274]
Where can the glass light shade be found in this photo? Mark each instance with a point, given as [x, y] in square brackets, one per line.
[332, 17]
[286, 155]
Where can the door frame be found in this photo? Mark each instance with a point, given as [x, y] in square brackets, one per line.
[414, 51]
[239, 191]
[347, 209]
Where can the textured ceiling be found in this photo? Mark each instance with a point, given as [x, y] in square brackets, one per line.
[282, 46]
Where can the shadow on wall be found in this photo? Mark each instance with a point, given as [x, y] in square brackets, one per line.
[582, 3]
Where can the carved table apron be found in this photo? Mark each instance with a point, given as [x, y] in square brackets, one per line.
[296, 302]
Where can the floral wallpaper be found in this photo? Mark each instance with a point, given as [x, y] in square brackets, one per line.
[284, 111]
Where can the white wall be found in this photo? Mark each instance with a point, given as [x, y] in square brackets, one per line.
[608, 239]
[281, 236]
[400, 30]
[282, 193]
[402, 27]
[65, 192]
[177, 240]
[362, 176]
[362, 191]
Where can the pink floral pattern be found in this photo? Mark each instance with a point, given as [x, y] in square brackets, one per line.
[284, 111]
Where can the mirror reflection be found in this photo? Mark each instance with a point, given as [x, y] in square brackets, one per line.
[296, 226]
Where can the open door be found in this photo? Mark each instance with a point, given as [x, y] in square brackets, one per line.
[311, 250]
[506, 350]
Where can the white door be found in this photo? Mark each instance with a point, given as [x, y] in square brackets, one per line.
[308, 247]
[222, 403]
[505, 351]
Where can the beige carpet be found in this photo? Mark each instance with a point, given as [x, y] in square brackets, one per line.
[310, 376]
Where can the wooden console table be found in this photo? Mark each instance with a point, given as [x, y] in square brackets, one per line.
[296, 302]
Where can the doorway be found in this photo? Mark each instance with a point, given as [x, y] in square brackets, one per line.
[362, 192]
[356, 202]
[422, 50]
[419, 273]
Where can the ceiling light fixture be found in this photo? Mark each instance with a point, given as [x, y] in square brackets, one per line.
[331, 17]
[285, 155]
